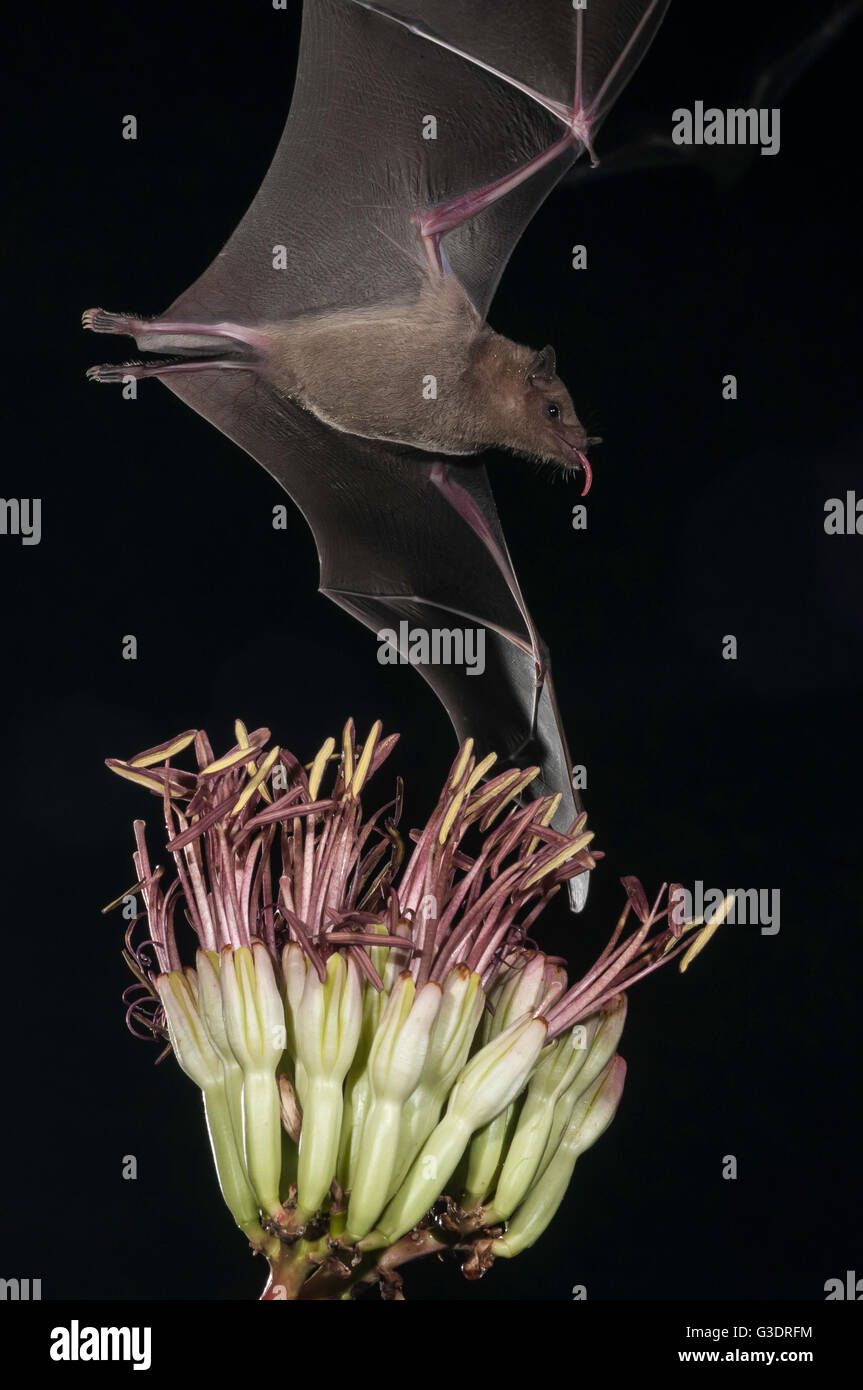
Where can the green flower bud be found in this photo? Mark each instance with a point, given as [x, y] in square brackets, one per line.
[518, 994]
[396, 1060]
[521, 992]
[294, 967]
[230, 1166]
[212, 1015]
[485, 1156]
[190, 1040]
[572, 1064]
[255, 1027]
[591, 1116]
[488, 1083]
[252, 1007]
[182, 999]
[453, 1032]
[327, 1024]
[358, 1088]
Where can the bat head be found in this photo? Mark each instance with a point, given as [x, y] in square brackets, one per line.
[552, 430]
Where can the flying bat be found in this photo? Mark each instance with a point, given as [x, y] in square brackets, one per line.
[341, 337]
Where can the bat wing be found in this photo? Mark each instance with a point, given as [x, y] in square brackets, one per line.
[416, 540]
[387, 120]
[396, 112]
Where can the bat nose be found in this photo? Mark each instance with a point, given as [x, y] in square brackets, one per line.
[574, 438]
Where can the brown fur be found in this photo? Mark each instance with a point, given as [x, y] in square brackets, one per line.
[365, 371]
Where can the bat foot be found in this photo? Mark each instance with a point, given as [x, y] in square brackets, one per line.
[111, 371]
[124, 371]
[101, 321]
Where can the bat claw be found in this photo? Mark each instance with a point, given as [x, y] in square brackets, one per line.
[102, 321]
[104, 372]
[119, 371]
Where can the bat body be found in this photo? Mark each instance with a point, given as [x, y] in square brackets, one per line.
[423, 370]
[340, 337]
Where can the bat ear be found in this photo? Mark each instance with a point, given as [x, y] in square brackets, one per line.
[544, 366]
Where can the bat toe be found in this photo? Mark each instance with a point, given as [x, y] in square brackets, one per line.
[102, 321]
[103, 372]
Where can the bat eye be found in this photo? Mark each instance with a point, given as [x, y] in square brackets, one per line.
[552, 411]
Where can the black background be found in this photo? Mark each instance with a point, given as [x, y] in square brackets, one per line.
[706, 518]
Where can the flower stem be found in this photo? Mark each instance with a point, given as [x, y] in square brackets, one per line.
[290, 1268]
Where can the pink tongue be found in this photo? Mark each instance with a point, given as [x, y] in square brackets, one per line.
[588, 473]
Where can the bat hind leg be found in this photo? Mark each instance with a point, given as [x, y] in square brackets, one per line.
[185, 340]
[137, 371]
[176, 335]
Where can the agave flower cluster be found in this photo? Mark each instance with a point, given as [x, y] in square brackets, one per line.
[389, 1066]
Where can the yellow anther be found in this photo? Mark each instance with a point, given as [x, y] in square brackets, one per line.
[322, 757]
[366, 756]
[714, 922]
[252, 786]
[154, 784]
[166, 750]
[464, 758]
[560, 858]
[109, 907]
[546, 818]
[480, 770]
[520, 781]
[348, 751]
[241, 734]
[500, 784]
[451, 814]
[229, 760]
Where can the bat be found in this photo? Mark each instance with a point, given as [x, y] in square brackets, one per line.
[341, 336]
